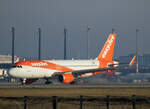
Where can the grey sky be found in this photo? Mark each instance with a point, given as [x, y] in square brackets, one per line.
[53, 15]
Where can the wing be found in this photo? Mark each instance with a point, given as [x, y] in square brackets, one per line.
[70, 77]
[77, 73]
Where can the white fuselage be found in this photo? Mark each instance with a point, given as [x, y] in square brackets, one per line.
[39, 72]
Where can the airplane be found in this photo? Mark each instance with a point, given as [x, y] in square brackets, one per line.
[67, 71]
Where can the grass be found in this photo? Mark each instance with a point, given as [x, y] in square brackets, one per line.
[20, 92]
[71, 92]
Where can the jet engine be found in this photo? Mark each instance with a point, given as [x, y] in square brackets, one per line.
[66, 78]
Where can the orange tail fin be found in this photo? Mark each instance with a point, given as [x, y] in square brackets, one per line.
[106, 54]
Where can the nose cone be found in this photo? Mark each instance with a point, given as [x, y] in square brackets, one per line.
[12, 72]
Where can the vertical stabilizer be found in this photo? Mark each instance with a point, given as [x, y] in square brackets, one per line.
[106, 54]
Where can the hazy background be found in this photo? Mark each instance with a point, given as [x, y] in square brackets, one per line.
[53, 15]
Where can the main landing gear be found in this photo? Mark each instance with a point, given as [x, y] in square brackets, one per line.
[23, 81]
[48, 81]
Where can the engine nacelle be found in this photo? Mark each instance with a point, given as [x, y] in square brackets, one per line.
[66, 78]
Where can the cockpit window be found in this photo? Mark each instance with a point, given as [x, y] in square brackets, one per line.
[17, 66]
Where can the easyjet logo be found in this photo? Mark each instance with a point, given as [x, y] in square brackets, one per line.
[39, 64]
[108, 47]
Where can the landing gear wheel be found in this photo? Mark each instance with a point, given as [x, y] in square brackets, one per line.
[23, 81]
[73, 82]
[48, 81]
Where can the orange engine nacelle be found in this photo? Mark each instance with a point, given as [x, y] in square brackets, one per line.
[66, 78]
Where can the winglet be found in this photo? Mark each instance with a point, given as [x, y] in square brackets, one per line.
[132, 61]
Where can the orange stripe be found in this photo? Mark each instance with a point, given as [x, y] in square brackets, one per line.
[44, 64]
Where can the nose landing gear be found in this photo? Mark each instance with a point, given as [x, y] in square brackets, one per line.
[23, 81]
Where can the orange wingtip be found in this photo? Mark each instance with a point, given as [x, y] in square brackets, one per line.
[132, 61]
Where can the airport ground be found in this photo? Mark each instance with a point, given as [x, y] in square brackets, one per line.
[15, 90]
[68, 96]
